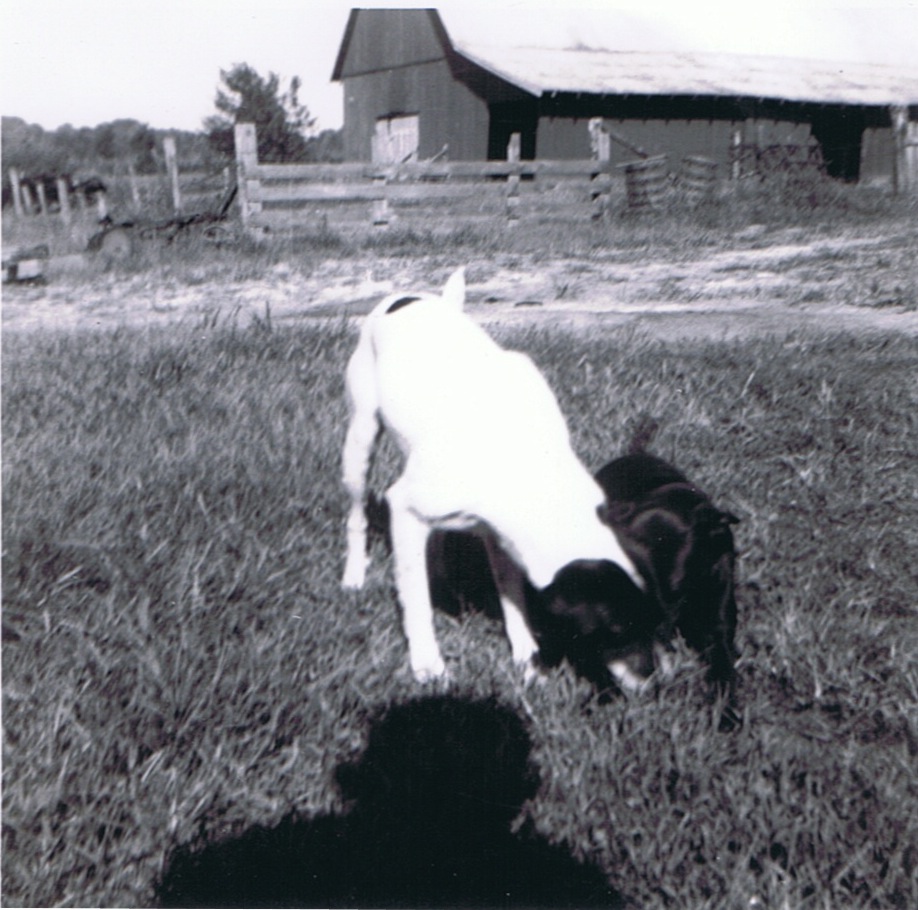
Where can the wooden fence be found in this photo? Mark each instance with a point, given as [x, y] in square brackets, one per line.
[300, 195]
[123, 195]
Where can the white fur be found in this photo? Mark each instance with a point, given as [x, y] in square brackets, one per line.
[481, 431]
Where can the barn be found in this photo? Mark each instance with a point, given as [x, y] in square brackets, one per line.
[412, 93]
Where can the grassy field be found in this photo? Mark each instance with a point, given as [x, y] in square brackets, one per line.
[180, 665]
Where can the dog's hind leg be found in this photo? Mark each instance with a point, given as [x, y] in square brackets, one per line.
[409, 547]
[362, 431]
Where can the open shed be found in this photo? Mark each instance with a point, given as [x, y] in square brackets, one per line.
[412, 93]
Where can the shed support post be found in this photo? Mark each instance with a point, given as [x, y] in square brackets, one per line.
[905, 150]
[513, 180]
[248, 182]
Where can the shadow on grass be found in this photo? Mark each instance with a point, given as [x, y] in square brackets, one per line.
[433, 798]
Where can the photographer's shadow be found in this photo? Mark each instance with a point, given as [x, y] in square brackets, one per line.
[433, 798]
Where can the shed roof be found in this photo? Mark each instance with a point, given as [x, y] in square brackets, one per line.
[544, 71]
[599, 71]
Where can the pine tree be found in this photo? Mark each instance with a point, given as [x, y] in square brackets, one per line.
[281, 122]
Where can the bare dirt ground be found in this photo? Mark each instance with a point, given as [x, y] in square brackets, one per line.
[766, 282]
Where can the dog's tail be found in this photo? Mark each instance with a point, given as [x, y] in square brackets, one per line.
[643, 434]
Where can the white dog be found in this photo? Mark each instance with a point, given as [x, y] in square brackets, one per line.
[480, 431]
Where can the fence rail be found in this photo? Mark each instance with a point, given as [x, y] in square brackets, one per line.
[294, 195]
[284, 195]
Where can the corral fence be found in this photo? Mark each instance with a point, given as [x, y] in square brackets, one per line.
[121, 194]
[289, 196]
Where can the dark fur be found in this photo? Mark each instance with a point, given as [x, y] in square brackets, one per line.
[681, 544]
[683, 547]
[591, 613]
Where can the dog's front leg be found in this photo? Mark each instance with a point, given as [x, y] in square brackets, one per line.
[511, 585]
[409, 547]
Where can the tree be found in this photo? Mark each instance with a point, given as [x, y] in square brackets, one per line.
[282, 123]
[126, 143]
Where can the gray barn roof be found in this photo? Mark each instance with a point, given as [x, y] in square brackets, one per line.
[544, 71]
[598, 71]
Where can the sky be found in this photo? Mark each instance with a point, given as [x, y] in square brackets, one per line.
[86, 62]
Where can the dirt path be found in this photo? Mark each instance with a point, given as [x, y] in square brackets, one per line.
[765, 284]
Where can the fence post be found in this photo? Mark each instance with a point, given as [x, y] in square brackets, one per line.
[17, 197]
[601, 181]
[29, 204]
[63, 196]
[736, 153]
[379, 208]
[132, 183]
[42, 197]
[171, 153]
[249, 185]
[514, 147]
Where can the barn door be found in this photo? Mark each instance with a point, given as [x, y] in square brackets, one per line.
[396, 139]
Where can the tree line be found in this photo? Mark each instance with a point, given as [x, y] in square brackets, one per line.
[286, 131]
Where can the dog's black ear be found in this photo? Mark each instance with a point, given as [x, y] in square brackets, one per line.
[615, 514]
[729, 518]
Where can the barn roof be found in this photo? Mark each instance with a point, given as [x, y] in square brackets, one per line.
[583, 70]
[599, 71]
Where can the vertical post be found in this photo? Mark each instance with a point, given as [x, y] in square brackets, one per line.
[135, 189]
[248, 184]
[601, 181]
[17, 197]
[80, 198]
[898, 116]
[737, 149]
[514, 147]
[42, 197]
[379, 209]
[28, 200]
[63, 195]
[171, 154]
[379, 154]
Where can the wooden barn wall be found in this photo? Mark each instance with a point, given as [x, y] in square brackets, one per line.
[448, 111]
[380, 39]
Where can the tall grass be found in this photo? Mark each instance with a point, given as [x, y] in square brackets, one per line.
[179, 661]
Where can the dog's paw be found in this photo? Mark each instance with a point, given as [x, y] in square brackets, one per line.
[428, 670]
[354, 576]
[532, 670]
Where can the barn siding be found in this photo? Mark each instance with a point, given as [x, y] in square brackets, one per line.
[378, 39]
[449, 112]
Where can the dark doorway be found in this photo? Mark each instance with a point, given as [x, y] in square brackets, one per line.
[507, 119]
[839, 132]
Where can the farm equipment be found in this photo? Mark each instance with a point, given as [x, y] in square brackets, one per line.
[118, 239]
[25, 264]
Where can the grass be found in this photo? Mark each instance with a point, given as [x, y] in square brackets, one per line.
[179, 662]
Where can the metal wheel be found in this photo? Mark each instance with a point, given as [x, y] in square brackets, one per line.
[116, 243]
